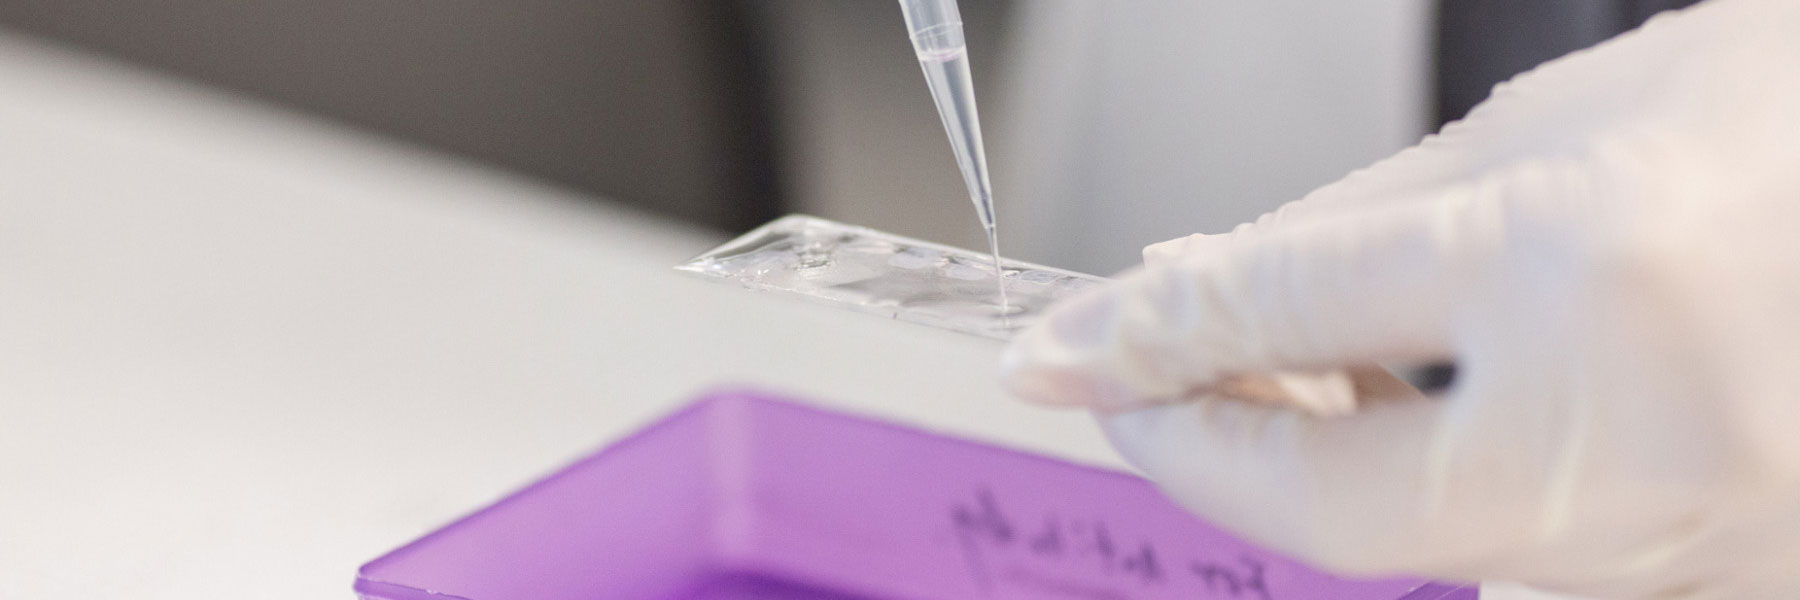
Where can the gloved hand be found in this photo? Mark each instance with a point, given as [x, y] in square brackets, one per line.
[1609, 250]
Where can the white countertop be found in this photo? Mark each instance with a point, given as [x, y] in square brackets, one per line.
[243, 351]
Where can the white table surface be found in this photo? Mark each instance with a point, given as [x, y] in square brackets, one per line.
[243, 351]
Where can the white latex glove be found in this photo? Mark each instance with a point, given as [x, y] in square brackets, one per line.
[1609, 249]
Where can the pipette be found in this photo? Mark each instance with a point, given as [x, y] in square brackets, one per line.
[937, 37]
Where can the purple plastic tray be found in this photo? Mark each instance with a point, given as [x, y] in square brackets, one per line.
[744, 497]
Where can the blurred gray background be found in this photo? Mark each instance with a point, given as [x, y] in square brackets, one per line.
[1110, 125]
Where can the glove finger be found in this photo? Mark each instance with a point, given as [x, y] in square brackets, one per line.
[1162, 254]
[1347, 494]
[1411, 176]
[1355, 290]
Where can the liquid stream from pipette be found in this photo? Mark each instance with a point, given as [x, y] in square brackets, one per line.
[952, 88]
[999, 273]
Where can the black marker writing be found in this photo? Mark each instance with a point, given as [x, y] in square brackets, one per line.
[1238, 582]
[981, 523]
[1062, 557]
[1143, 564]
[984, 519]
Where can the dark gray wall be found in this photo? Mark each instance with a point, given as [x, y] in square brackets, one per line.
[655, 103]
[1484, 42]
